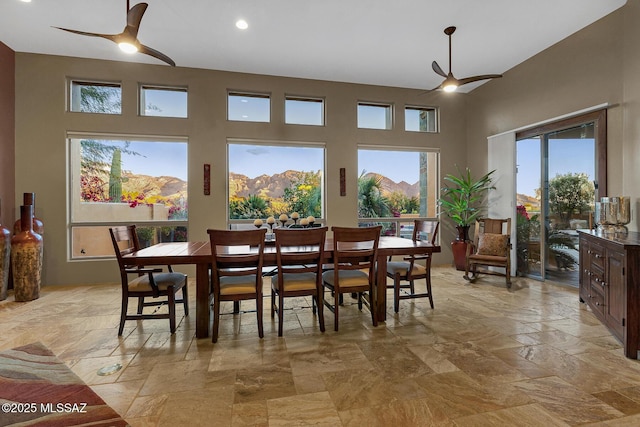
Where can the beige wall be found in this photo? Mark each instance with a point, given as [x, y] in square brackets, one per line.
[597, 65]
[41, 124]
[7, 130]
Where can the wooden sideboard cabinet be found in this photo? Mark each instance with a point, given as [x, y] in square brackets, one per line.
[610, 283]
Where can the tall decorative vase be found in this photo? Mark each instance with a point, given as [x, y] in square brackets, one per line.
[26, 258]
[5, 253]
[38, 226]
[459, 247]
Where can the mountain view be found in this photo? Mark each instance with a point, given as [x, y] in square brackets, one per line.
[272, 186]
[166, 186]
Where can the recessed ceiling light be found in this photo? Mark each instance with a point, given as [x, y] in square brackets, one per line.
[242, 24]
[26, 1]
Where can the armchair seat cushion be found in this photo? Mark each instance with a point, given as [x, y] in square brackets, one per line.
[230, 285]
[401, 267]
[163, 281]
[297, 281]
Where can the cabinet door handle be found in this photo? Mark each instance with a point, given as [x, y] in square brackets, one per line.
[604, 284]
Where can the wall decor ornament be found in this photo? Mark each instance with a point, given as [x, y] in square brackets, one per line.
[26, 258]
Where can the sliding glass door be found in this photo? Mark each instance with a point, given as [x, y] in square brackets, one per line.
[560, 172]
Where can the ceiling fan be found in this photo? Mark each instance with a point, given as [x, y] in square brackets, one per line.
[450, 83]
[128, 38]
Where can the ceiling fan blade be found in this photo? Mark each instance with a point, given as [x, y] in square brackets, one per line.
[159, 55]
[437, 69]
[111, 37]
[478, 78]
[134, 16]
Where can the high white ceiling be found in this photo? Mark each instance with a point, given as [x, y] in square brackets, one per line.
[380, 42]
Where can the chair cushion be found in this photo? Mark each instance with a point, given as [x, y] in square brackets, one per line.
[493, 244]
[163, 281]
[296, 281]
[402, 267]
[238, 284]
[348, 278]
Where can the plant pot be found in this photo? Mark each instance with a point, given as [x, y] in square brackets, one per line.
[459, 247]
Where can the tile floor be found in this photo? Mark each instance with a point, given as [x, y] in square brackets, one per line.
[486, 355]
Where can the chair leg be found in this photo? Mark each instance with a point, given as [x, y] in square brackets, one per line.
[280, 313]
[372, 306]
[216, 318]
[259, 305]
[335, 311]
[123, 313]
[140, 304]
[236, 307]
[320, 304]
[172, 309]
[429, 289]
[185, 299]
[273, 302]
[396, 293]
[360, 301]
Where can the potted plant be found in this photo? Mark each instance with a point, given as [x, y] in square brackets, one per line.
[462, 200]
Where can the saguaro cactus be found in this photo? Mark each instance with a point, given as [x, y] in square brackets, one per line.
[115, 177]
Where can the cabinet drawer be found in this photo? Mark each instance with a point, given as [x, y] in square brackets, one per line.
[596, 255]
[596, 279]
[596, 301]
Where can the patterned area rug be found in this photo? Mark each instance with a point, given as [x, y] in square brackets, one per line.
[37, 389]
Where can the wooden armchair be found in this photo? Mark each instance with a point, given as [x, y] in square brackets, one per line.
[491, 248]
[408, 270]
[149, 282]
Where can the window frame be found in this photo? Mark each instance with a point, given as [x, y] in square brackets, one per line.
[436, 119]
[431, 211]
[73, 178]
[313, 99]
[389, 120]
[259, 95]
[142, 104]
[270, 143]
[72, 82]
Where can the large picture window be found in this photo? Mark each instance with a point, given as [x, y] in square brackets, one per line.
[397, 185]
[122, 181]
[270, 180]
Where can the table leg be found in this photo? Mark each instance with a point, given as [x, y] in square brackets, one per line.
[202, 300]
[381, 282]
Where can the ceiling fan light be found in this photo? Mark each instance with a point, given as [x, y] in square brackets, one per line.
[450, 87]
[128, 47]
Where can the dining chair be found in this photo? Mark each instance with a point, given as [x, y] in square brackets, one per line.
[299, 254]
[149, 282]
[491, 248]
[408, 270]
[236, 271]
[354, 258]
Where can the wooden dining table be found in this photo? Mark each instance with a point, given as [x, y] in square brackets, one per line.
[199, 254]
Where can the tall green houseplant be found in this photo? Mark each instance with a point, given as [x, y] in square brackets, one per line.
[462, 200]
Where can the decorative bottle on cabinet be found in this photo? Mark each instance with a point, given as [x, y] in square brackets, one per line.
[38, 226]
[26, 258]
[5, 252]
